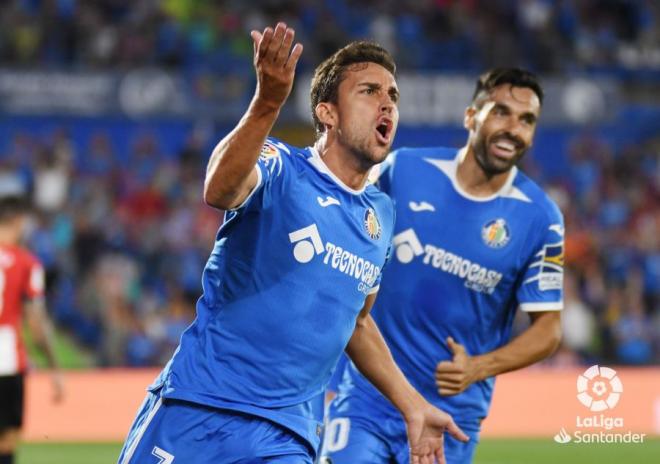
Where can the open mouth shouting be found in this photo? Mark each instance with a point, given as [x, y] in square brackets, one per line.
[384, 130]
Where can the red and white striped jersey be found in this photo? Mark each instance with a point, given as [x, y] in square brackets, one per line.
[21, 279]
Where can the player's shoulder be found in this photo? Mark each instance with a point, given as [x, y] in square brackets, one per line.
[275, 147]
[29, 258]
[409, 162]
[379, 197]
[18, 256]
[415, 154]
[540, 201]
[276, 154]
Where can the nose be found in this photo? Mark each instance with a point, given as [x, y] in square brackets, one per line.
[514, 127]
[387, 105]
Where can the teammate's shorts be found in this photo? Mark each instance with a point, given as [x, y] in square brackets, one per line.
[357, 433]
[167, 431]
[12, 393]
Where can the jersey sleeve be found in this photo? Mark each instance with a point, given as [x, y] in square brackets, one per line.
[36, 281]
[270, 170]
[542, 287]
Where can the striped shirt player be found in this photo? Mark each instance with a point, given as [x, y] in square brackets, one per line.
[21, 279]
[21, 299]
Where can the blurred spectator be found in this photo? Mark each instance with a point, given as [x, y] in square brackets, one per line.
[123, 231]
[544, 35]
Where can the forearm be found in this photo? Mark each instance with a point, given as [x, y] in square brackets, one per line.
[233, 159]
[370, 354]
[538, 342]
[42, 332]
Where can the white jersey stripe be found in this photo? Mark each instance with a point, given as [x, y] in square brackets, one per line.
[143, 428]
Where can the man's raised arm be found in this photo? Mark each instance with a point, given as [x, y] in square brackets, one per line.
[231, 174]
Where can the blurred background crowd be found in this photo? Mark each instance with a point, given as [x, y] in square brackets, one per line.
[121, 226]
[547, 35]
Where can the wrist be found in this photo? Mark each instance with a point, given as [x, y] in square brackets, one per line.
[482, 368]
[414, 402]
[265, 106]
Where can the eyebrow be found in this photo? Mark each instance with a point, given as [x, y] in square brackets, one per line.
[392, 91]
[526, 115]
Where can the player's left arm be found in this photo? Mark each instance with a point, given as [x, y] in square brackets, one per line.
[41, 330]
[537, 342]
[425, 423]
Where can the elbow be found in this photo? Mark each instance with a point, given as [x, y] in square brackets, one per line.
[554, 339]
[216, 197]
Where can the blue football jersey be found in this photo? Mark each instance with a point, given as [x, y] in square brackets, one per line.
[287, 277]
[461, 267]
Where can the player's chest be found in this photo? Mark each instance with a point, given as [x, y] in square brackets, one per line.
[333, 234]
[458, 236]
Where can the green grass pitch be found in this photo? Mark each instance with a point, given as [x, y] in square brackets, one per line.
[490, 451]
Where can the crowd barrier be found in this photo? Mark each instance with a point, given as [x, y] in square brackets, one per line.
[101, 404]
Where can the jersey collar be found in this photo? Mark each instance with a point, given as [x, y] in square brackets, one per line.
[316, 161]
[449, 168]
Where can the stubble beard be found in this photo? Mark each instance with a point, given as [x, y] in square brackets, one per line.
[491, 165]
[364, 154]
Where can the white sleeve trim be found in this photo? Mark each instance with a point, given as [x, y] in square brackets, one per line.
[374, 290]
[544, 306]
[256, 187]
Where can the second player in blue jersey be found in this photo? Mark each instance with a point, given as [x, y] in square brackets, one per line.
[475, 240]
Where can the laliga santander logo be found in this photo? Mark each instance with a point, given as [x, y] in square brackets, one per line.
[599, 388]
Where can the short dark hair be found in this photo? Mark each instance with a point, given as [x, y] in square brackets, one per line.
[329, 74]
[12, 206]
[516, 77]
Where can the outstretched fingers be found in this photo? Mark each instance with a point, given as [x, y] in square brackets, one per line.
[456, 432]
[261, 42]
[273, 47]
[293, 58]
[275, 43]
[285, 46]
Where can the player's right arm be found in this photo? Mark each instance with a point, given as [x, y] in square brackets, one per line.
[231, 173]
[425, 424]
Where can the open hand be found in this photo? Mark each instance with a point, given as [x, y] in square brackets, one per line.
[426, 427]
[275, 62]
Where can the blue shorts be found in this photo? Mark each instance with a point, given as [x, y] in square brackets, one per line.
[167, 431]
[356, 432]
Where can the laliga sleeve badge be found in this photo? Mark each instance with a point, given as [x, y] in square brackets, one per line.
[268, 150]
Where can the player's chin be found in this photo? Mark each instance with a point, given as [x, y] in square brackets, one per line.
[499, 164]
[378, 154]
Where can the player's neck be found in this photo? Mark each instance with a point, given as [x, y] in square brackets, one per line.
[344, 165]
[7, 239]
[474, 180]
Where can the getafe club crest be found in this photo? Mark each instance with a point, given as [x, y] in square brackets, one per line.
[496, 233]
[371, 224]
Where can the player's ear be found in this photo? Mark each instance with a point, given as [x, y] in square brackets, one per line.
[468, 117]
[327, 114]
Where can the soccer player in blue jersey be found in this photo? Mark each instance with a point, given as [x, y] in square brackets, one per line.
[475, 240]
[291, 278]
